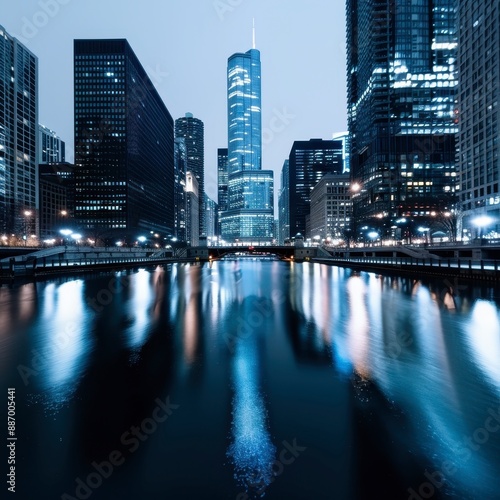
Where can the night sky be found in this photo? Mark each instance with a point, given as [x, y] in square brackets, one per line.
[184, 46]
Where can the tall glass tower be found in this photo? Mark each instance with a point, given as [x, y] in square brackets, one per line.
[401, 76]
[19, 201]
[250, 215]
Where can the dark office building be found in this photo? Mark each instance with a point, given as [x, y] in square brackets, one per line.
[192, 130]
[309, 161]
[124, 143]
[56, 182]
[222, 177]
[401, 77]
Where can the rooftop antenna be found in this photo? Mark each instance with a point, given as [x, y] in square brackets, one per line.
[253, 34]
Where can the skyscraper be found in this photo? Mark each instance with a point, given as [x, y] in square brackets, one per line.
[124, 143]
[284, 204]
[401, 75]
[222, 174]
[18, 136]
[180, 169]
[192, 130]
[309, 161]
[52, 149]
[479, 112]
[250, 215]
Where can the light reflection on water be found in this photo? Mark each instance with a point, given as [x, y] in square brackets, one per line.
[418, 365]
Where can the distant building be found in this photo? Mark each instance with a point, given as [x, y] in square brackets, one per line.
[346, 149]
[211, 218]
[478, 113]
[124, 144]
[309, 161]
[180, 169]
[284, 205]
[19, 189]
[331, 208]
[250, 212]
[192, 130]
[56, 199]
[52, 149]
[192, 210]
[222, 175]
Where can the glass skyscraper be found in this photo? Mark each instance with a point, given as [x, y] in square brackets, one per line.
[250, 215]
[124, 143]
[18, 137]
[401, 74]
[191, 129]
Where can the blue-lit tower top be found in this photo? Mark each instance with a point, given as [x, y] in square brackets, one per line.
[244, 111]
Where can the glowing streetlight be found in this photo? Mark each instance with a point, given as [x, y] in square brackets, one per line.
[481, 222]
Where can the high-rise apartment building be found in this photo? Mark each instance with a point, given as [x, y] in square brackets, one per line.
[192, 130]
[250, 214]
[18, 136]
[401, 76]
[52, 149]
[124, 143]
[309, 161]
[479, 113]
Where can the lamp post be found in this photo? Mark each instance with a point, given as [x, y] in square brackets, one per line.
[482, 222]
[425, 231]
[27, 215]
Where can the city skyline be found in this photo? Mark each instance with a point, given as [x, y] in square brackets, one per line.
[298, 104]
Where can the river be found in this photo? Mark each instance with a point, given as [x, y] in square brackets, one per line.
[252, 379]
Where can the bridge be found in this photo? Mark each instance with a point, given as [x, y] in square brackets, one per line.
[283, 252]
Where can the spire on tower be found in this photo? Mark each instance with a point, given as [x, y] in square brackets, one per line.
[253, 34]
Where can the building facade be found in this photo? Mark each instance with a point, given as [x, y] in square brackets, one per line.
[309, 161]
[18, 136]
[192, 210]
[180, 169]
[56, 199]
[211, 219]
[331, 209]
[401, 78]
[284, 205]
[193, 131]
[250, 213]
[479, 114]
[52, 149]
[124, 144]
[222, 175]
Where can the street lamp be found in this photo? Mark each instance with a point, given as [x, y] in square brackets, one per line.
[425, 231]
[373, 235]
[27, 215]
[481, 222]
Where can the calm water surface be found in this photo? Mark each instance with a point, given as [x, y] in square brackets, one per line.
[252, 379]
